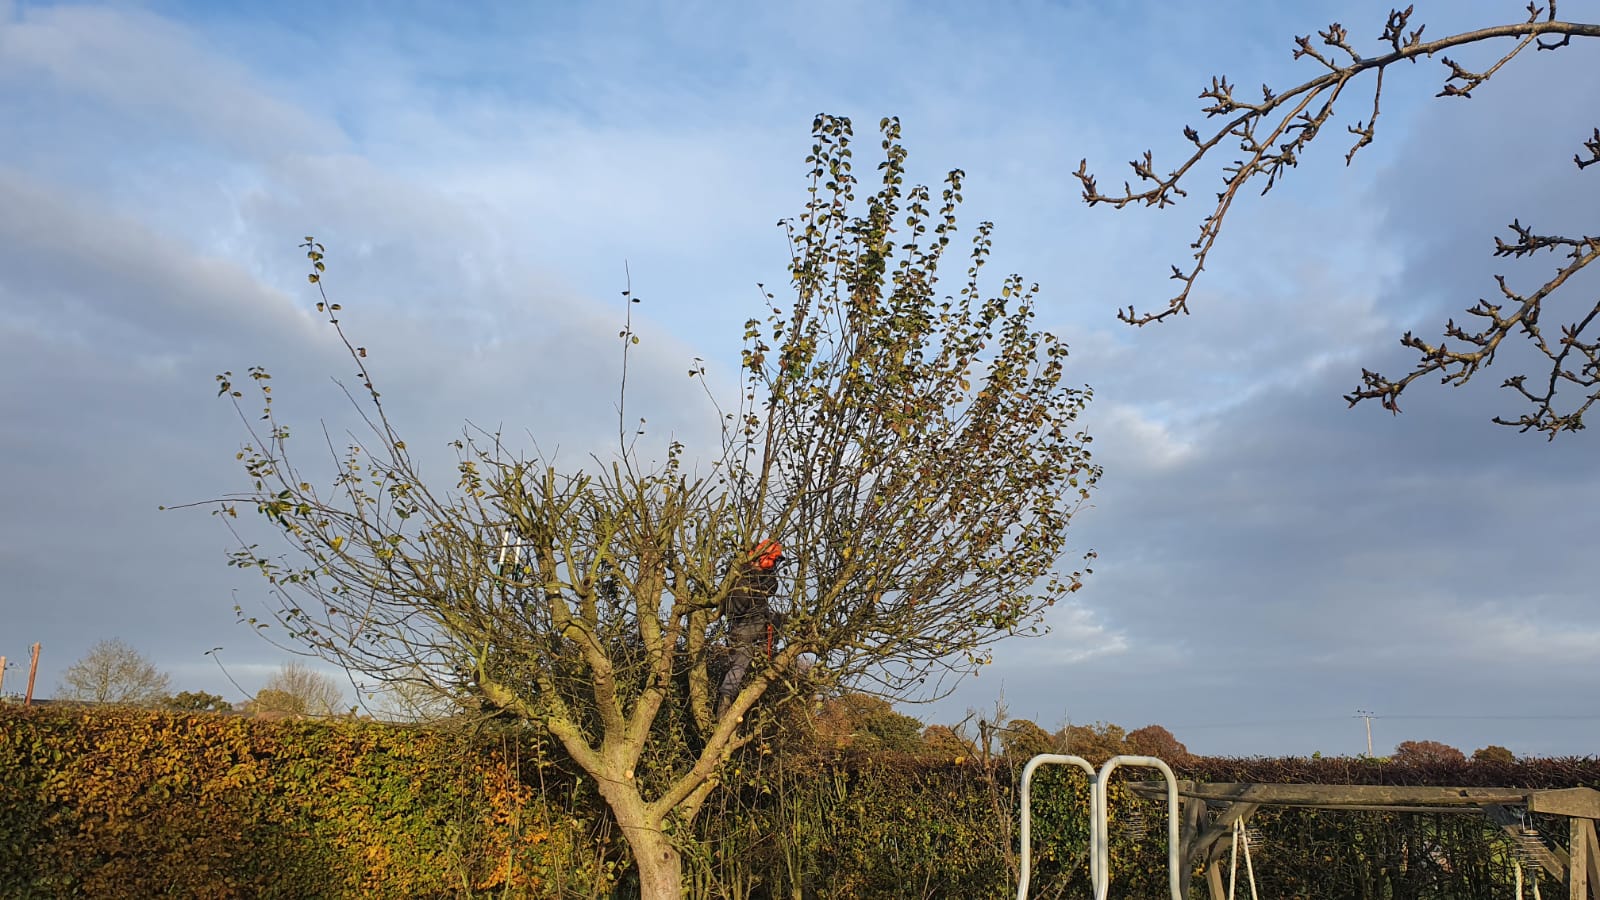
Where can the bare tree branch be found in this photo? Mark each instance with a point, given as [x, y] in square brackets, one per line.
[1275, 131]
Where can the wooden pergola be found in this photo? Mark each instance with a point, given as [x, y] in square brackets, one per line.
[1206, 840]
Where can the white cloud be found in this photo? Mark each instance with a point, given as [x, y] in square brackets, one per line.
[1077, 635]
[140, 65]
[1129, 438]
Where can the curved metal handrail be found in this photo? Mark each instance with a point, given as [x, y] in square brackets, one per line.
[1174, 843]
[1099, 827]
[1027, 817]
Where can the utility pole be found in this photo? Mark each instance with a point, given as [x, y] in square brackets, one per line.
[33, 669]
[1367, 714]
[2, 677]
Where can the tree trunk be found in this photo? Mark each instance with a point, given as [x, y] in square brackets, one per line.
[659, 863]
[660, 866]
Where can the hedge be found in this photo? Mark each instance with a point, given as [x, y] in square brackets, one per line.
[99, 802]
[105, 802]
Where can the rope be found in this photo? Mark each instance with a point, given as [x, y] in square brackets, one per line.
[1240, 836]
[1531, 882]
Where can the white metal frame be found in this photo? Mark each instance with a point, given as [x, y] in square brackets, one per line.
[1099, 830]
[1027, 816]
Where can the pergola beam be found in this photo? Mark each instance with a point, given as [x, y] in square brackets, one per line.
[1578, 802]
[1344, 796]
[1581, 806]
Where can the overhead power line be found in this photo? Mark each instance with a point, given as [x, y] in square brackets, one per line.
[1443, 717]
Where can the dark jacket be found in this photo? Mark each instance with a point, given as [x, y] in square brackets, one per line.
[747, 602]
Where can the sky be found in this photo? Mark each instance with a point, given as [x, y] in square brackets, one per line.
[488, 178]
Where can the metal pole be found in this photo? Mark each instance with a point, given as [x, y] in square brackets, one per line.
[1027, 817]
[1175, 873]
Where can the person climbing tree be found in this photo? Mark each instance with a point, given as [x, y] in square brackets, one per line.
[749, 613]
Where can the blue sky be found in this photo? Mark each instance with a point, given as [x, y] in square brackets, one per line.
[1269, 561]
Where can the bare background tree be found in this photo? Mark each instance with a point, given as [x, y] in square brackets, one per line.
[113, 672]
[414, 700]
[1274, 131]
[915, 452]
[299, 690]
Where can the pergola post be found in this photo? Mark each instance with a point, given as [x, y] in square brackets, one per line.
[1581, 806]
[1583, 875]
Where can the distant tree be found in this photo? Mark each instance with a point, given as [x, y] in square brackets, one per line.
[865, 722]
[1265, 135]
[299, 690]
[1022, 739]
[113, 672]
[944, 742]
[894, 731]
[275, 703]
[1494, 753]
[198, 701]
[416, 701]
[1096, 743]
[1426, 752]
[1154, 740]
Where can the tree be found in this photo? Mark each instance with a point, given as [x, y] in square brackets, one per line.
[915, 452]
[1154, 740]
[1095, 743]
[1494, 753]
[113, 672]
[946, 743]
[1426, 753]
[1022, 739]
[415, 701]
[865, 722]
[1272, 134]
[274, 704]
[298, 690]
[196, 701]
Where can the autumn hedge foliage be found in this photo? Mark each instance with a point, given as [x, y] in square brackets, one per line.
[136, 803]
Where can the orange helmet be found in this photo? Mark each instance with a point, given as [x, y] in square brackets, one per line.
[766, 554]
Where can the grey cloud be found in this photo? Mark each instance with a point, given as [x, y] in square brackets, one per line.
[1266, 556]
[1416, 565]
[1273, 561]
[113, 332]
[72, 265]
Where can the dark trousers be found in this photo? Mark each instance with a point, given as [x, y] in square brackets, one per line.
[743, 640]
